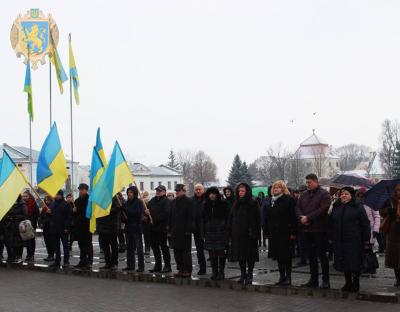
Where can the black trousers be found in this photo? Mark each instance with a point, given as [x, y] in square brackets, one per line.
[47, 240]
[134, 244]
[316, 246]
[183, 259]
[30, 248]
[109, 244]
[159, 244]
[85, 248]
[1, 248]
[301, 246]
[121, 239]
[201, 258]
[146, 236]
[63, 238]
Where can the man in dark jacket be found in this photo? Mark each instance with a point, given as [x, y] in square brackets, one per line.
[108, 227]
[159, 209]
[60, 224]
[198, 230]
[180, 229]
[312, 212]
[82, 232]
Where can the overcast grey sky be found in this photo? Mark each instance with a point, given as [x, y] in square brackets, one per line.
[222, 76]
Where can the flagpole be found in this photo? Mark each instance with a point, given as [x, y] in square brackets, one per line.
[30, 152]
[51, 108]
[72, 133]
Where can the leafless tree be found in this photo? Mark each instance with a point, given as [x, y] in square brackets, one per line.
[389, 137]
[203, 168]
[279, 157]
[297, 171]
[352, 155]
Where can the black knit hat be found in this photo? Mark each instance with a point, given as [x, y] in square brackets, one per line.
[350, 190]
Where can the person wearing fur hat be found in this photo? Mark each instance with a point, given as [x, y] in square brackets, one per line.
[244, 231]
[215, 219]
[350, 233]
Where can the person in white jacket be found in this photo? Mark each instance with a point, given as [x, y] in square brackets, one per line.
[373, 216]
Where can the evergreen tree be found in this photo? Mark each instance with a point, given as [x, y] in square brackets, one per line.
[235, 174]
[396, 162]
[172, 162]
[245, 174]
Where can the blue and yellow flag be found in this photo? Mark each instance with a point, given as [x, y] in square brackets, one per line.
[99, 148]
[51, 171]
[73, 72]
[116, 176]
[12, 182]
[96, 170]
[56, 61]
[28, 89]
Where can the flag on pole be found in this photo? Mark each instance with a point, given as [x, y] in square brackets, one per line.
[28, 88]
[12, 182]
[56, 61]
[96, 170]
[99, 148]
[73, 72]
[51, 171]
[116, 176]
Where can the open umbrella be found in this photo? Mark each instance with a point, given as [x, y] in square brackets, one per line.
[379, 193]
[351, 179]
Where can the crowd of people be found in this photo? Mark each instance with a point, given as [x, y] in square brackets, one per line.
[230, 226]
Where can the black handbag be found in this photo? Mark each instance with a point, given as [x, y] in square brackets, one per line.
[370, 262]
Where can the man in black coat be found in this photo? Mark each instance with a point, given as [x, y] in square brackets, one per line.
[60, 225]
[82, 232]
[180, 229]
[312, 212]
[108, 228]
[198, 231]
[159, 209]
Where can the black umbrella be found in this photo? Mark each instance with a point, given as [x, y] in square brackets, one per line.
[379, 193]
[351, 179]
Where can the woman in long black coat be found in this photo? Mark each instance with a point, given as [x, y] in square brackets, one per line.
[280, 226]
[350, 233]
[244, 231]
[215, 218]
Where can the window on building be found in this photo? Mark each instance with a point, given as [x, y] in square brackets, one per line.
[159, 183]
[169, 185]
[142, 186]
[308, 165]
[152, 186]
[330, 164]
[175, 183]
[337, 165]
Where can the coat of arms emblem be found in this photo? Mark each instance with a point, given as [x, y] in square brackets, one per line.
[36, 32]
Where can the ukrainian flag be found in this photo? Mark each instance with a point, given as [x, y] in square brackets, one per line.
[116, 176]
[28, 89]
[96, 170]
[51, 171]
[55, 59]
[12, 182]
[99, 148]
[73, 72]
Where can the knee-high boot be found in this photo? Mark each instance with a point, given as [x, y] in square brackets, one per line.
[214, 267]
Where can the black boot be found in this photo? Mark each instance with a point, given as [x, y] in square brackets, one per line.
[356, 282]
[221, 268]
[281, 274]
[397, 274]
[348, 284]
[249, 277]
[288, 276]
[214, 267]
[242, 278]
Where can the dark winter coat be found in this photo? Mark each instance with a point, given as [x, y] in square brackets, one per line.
[133, 210]
[229, 200]
[81, 226]
[10, 222]
[349, 231]
[110, 224]
[314, 205]
[392, 251]
[244, 228]
[215, 218]
[32, 211]
[159, 210]
[280, 223]
[60, 217]
[197, 216]
[180, 223]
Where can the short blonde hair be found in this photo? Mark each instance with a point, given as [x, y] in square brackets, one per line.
[282, 185]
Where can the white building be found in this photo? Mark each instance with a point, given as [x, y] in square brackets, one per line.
[20, 155]
[149, 177]
[315, 153]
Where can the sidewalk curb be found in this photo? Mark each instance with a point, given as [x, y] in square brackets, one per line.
[382, 297]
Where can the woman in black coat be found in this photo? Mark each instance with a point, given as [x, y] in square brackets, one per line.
[280, 227]
[215, 218]
[350, 233]
[244, 231]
